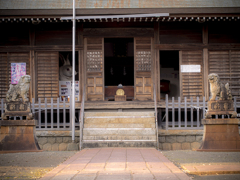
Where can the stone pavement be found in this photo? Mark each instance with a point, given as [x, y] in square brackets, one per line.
[205, 163]
[117, 164]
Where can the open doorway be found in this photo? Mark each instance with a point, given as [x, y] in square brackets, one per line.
[119, 66]
[169, 74]
[65, 76]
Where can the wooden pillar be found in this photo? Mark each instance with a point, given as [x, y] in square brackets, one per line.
[156, 60]
[80, 59]
[205, 60]
[32, 92]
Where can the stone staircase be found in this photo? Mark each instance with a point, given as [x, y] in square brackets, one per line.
[119, 129]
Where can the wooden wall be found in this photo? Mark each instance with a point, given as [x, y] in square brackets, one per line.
[191, 84]
[224, 32]
[53, 34]
[14, 34]
[227, 65]
[180, 32]
[5, 68]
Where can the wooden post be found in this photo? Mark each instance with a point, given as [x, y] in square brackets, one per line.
[32, 91]
[205, 73]
[205, 60]
[157, 63]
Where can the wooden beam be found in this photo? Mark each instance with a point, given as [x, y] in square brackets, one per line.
[39, 48]
[156, 33]
[80, 34]
[205, 34]
[32, 36]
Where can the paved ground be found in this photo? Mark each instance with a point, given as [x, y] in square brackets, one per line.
[120, 163]
[207, 165]
[117, 164]
[31, 165]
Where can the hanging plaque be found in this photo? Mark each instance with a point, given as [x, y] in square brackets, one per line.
[190, 68]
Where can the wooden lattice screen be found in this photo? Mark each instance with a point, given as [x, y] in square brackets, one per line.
[5, 69]
[191, 83]
[47, 74]
[226, 65]
[143, 67]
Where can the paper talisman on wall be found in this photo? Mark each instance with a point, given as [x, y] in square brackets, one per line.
[17, 71]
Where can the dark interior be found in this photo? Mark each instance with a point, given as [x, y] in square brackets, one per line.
[119, 61]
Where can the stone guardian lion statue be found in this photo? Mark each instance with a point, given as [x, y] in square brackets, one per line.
[20, 90]
[218, 89]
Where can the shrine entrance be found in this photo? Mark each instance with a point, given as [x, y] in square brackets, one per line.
[119, 67]
[112, 63]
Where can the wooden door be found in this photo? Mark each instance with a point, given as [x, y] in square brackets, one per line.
[191, 74]
[47, 75]
[94, 55]
[226, 65]
[143, 68]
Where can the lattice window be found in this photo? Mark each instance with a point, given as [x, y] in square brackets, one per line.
[143, 60]
[94, 61]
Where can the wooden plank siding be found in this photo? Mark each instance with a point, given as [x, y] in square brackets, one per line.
[47, 74]
[226, 65]
[191, 84]
[143, 67]
[5, 66]
[3, 75]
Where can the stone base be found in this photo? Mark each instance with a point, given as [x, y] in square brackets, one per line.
[120, 97]
[17, 108]
[18, 136]
[220, 135]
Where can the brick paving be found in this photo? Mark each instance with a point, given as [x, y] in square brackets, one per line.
[117, 164]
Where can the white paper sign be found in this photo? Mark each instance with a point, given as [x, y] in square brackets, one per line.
[190, 68]
[65, 89]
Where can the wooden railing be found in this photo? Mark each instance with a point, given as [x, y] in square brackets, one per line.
[55, 115]
[185, 114]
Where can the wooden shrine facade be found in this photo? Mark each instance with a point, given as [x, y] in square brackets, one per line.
[209, 42]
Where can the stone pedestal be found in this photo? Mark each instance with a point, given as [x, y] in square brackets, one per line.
[220, 135]
[17, 108]
[18, 136]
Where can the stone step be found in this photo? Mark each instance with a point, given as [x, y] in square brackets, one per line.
[118, 125]
[131, 114]
[95, 144]
[153, 138]
[118, 131]
[111, 120]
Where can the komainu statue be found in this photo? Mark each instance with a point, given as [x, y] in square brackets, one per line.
[20, 90]
[218, 89]
[65, 71]
[224, 104]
